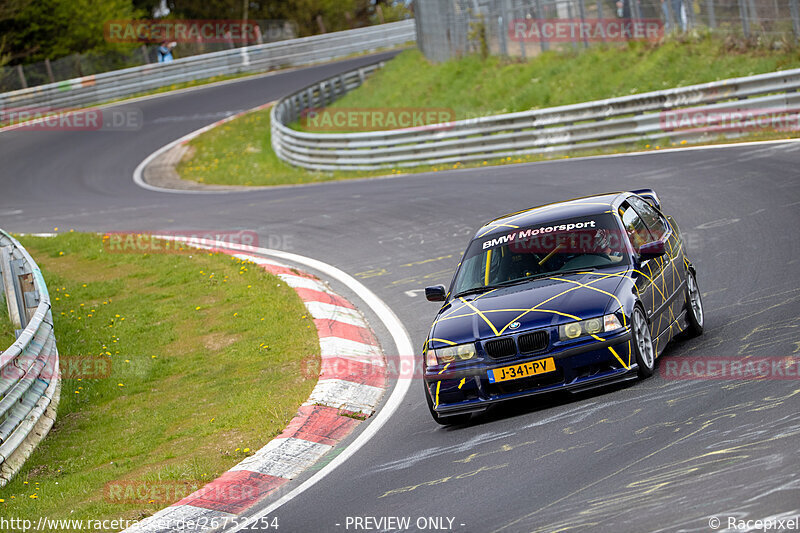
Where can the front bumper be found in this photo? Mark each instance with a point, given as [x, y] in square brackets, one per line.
[589, 365]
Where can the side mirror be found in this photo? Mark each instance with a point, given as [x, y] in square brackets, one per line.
[437, 293]
[651, 250]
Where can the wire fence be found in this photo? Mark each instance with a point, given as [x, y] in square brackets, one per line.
[452, 28]
[79, 65]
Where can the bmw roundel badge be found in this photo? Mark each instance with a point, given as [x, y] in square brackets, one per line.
[514, 325]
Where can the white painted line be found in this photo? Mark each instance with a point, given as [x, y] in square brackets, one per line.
[300, 282]
[347, 395]
[325, 311]
[404, 348]
[285, 458]
[338, 347]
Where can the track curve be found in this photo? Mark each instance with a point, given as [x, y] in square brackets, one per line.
[661, 455]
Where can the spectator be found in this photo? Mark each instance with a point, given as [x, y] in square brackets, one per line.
[165, 52]
[624, 9]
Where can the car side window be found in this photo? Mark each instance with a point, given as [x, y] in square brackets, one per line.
[650, 216]
[634, 226]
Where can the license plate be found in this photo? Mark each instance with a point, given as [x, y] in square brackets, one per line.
[523, 370]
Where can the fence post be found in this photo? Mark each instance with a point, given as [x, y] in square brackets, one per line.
[743, 16]
[754, 19]
[570, 16]
[502, 34]
[21, 75]
[600, 16]
[712, 18]
[543, 41]
[671, 24]
[795, 18]
[49, 70]
[145, 55]
[582, 12]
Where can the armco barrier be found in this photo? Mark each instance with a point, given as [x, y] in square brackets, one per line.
[591, 125]
[29, 383]
[295, 52]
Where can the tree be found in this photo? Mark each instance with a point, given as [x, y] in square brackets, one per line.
[336, 14]
[35, 30]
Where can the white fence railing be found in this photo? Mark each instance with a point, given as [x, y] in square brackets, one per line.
[29, 372]
[123, 83]
[712, 109]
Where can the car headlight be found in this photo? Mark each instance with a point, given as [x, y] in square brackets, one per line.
[592, 326]
[459, 352]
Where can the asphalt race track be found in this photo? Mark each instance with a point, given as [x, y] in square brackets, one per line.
[658, 455]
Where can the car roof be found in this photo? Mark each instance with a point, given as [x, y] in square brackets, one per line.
[577, 207]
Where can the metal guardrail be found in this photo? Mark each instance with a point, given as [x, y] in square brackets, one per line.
[295, 52]
[29, 382]
[599, 124]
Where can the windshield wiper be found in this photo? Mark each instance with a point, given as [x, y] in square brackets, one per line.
[475, 290]
[486, 288]
[572, 271]
[542, 275]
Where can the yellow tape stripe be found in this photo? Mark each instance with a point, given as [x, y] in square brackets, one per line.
[481, 315]
[588, 286]
[462, 306]
[492, 227]
[438, 386]
[619, 358]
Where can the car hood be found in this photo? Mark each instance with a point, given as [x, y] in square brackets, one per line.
[535, 304]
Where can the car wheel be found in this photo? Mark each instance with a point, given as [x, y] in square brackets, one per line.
[643, 344]
[694, 306]
[452, 420]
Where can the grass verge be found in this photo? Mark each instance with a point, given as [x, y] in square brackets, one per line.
[205, 352]
[240, 153]
[472, 86]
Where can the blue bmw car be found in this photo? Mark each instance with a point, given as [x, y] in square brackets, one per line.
[566, 296]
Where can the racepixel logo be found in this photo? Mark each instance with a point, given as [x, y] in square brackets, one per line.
[584, 30]
[731, 368]
[65, 119]
[163, 242]
[355, 369]
[189, 31]
[161, 492]
[69, 367]
[700, 119]
[376, 119]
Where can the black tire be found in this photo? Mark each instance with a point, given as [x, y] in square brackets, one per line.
[452, 420]
[694, 306]
[643, 347]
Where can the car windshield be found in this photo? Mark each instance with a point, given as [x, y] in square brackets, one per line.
[557, 247]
